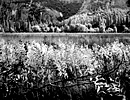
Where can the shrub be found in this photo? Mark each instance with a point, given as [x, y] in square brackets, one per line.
[73, 71]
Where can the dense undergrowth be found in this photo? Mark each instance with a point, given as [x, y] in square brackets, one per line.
[63, 71]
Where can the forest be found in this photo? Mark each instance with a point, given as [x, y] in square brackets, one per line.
[88, 16]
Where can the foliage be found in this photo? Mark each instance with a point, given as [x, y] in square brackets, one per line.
[111, 16]
[36, 68]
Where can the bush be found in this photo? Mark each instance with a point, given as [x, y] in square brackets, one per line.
[63, 70]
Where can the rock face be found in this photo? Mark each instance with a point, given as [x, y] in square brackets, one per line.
[70, 1]
[92, 4]
[120, 2]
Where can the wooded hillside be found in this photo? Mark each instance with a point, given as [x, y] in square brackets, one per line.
[71, 7]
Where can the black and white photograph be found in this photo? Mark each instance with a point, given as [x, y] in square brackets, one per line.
[64, 49]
